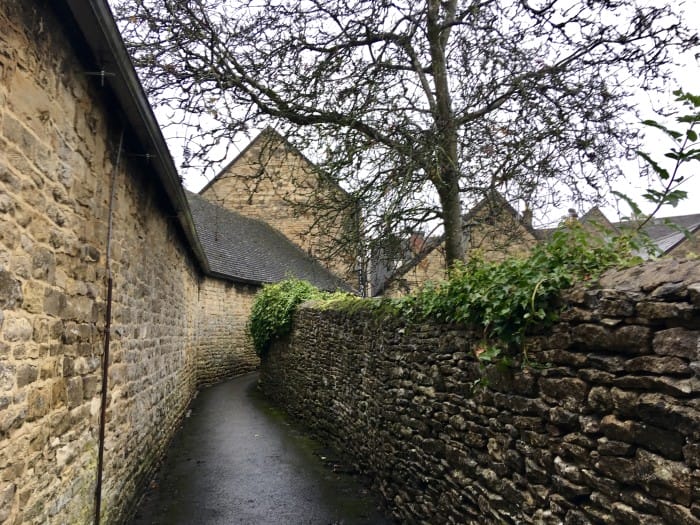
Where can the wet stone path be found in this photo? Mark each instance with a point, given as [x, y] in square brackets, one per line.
[237, 461]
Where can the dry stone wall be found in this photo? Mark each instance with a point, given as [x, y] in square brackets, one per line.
[606, 431]
[58, 148]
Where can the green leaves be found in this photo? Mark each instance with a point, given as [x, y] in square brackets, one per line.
[661, 172]
[685, 150]
[672, 197]
[675, 135]
[636, 210]
[505, 299]
[273, 308]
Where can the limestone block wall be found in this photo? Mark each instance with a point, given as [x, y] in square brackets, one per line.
[223, 348]
[58, 144]
[153, 359]
[606, 430]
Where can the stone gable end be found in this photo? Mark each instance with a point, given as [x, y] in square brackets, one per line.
[273, 182]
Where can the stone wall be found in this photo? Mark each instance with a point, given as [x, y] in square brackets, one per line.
[606, 431]
[59, 135]
[223, 347]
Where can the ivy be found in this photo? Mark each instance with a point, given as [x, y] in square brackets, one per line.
[273, 308]
[505, 299]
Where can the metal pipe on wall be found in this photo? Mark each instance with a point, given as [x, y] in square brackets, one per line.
[107, 336]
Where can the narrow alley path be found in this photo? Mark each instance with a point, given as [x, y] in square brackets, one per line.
[236, 461]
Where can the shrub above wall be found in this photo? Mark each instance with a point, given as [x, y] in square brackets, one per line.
[606, 429]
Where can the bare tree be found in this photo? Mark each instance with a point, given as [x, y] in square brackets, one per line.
[415, 107]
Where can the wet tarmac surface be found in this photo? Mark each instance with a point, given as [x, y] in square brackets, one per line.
[237, 461]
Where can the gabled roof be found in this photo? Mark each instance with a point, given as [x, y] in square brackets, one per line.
[496, 202]
[250, 251]
[665, 232]
[268, 134]
[594, 218]
[273, 137]
[659, 227]
[668, 232]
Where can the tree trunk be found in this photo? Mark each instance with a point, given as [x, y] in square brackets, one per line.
[446, 179]
[452, 221]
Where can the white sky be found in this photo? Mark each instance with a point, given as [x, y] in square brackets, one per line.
[687, 74]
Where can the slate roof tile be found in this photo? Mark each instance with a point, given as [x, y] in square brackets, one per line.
[251, 251]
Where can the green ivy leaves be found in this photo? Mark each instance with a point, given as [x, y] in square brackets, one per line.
[273, 308]
[506, 298]
[503, 299]
[685, 149]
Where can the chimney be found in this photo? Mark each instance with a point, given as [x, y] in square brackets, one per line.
[416, 242]
[573, 216]
[527, 217]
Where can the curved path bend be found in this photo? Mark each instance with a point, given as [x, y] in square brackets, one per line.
[236, 461]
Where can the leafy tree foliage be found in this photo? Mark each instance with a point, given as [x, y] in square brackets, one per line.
[416, 107]
[685, 149]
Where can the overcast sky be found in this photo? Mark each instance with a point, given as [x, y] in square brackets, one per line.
[688, 77]
[687, 74]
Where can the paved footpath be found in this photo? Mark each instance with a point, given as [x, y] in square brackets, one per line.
[236, 461]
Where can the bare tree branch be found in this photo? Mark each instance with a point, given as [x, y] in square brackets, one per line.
[414, 107]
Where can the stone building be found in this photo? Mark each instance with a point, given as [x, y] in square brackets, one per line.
[243, 254]
[677, 236]
[114, 306]
[495, 230]
[272, 181]
[492, 228]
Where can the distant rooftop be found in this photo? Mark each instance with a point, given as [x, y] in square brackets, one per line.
[667, 232]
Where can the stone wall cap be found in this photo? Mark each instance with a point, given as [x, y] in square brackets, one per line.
[652, 275]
